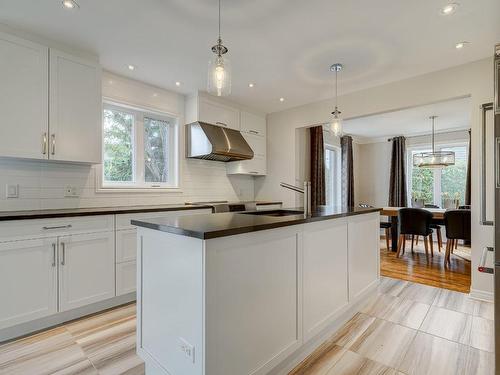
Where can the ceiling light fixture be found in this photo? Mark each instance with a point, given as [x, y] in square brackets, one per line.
[131, 67]
[70, 4]
[177, 83]
[219, 69]
[461, 45]
[433, 159]
[336, 123]
[449, 8]
[250, 85]
[282, 100]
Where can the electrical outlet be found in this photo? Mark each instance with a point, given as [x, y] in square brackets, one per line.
[187, 349]
[12, 191]
[71, 191]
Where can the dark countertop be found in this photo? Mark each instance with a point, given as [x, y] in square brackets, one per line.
[209, 226]
[51, 213]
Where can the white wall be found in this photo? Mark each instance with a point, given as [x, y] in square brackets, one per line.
[42, 183]
[474, 79]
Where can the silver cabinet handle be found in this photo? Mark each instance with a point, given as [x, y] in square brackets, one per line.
[253, 132]
[63, 258]
[221, 123]
[44, 143]
[53, 144]
[253, 172]
[58, 227]
[485, 108]
[481, 267]
[53, 255]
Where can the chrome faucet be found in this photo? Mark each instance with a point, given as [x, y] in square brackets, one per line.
[307, 194]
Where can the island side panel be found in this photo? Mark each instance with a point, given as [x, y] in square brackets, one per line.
[170, 307]
[364, 253]
[253, 307]
[325, 274]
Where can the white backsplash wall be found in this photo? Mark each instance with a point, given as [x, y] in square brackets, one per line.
[42, 184]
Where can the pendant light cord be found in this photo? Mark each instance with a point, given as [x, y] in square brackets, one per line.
[336, 89]
[433, 117]
[219, 21]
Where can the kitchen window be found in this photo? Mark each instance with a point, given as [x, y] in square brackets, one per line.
[140, 149]
[434, 186]
[332, 176]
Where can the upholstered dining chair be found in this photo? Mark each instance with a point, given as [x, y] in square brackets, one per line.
[383, 225]
[415, 222]
[458, 227]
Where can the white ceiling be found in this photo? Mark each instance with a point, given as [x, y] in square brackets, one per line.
[285, 47]
[452, 115]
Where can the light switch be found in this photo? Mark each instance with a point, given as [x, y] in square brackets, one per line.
[12, 191]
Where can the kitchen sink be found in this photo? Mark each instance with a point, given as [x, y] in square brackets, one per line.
[275, 213]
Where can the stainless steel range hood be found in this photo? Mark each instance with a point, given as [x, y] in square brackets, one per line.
[211, 142]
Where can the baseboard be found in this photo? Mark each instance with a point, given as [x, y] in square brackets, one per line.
[28, 328]
[308, 348]
[482, 295]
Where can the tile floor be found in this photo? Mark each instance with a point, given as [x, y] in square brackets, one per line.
[406, 328]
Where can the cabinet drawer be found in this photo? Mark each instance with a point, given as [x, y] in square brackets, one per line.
[218, 114]
[126, 245]
[125, 278]
[123, 220]
[41, 228]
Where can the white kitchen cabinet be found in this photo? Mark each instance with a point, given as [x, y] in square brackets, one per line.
[74, 109]
[253, 124]
[28, 280]
[202, 108]
[23, 98]
[86, 269]
[256, 166]
[125, 278]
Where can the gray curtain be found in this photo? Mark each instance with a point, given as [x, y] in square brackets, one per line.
[318, 196]
[468, 180]
[397, 184]
[347, 171]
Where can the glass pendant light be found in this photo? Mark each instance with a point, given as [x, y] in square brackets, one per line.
[219, 69]
[434, 159]
[336, 123]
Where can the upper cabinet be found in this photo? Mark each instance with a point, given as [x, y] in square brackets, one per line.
[23, 98]
[253, 124]
[56, 119]
[74, 109]
[200, 108]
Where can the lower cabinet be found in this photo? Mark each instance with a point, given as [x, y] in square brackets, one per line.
[86, 269]
[28, 280]
[125, 277]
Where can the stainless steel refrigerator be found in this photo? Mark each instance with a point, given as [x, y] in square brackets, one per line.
[496, 109]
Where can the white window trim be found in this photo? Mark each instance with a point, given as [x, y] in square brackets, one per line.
[121, 187]
[437, 175]
[337, 189]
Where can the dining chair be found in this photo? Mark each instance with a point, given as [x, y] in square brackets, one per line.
[414, 222]
[435, 224]
[383, 225]
[458, 227]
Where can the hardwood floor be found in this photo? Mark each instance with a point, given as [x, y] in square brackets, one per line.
[405, 328]
[415, 267]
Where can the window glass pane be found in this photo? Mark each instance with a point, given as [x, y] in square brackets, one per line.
[422, 182]
[453, 177]
[118, 146]
[329, 176]
[156, 149]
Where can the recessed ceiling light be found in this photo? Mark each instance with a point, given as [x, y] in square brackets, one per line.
[461, 45]
[282, 100]
[250, 85]
[449, 8]
[177, 83]
[131, 67]
[70, 4]
[155, 94]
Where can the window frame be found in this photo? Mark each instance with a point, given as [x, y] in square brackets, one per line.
[436, 172]
[138, 154]
[337, 186]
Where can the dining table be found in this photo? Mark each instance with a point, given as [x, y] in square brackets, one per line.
[392, 213]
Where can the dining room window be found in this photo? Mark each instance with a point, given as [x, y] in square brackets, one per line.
[332, 175]
[437, 185]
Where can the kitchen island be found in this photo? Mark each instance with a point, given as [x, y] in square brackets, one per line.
[250, 293]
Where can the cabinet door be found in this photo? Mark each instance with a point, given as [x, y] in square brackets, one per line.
[256, 166]
[23, 98]
[126, 245]
[28, 280]
[75, 109]
[125, 278]
[253, 124]
[218, 114]
[86, 269]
